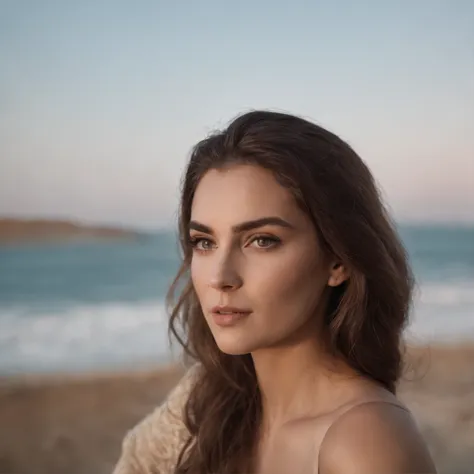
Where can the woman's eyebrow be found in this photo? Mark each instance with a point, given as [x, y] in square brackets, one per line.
[244, 226]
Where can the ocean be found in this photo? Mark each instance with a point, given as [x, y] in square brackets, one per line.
[100, 306]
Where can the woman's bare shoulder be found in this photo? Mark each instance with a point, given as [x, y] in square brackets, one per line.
[374, 437]
[155, 442]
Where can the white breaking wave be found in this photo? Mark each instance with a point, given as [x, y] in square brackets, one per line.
[443, 312]
[448, 294]
[81, 338]
[128, 335]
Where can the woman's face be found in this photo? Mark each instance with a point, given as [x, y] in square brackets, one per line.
[254, 250]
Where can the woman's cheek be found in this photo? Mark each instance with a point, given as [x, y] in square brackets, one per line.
[198, 274]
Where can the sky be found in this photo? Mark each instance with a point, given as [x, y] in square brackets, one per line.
[101, 101]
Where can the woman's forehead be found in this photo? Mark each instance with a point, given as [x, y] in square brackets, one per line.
[243, 192]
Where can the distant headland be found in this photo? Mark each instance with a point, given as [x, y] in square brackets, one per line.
[20, 231]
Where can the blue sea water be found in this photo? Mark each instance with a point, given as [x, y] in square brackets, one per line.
[100, 306]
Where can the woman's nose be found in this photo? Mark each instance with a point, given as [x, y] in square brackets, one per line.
[225, 276]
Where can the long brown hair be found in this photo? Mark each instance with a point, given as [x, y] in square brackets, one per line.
[365, 317]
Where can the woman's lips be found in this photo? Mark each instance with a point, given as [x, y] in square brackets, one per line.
[229, 318]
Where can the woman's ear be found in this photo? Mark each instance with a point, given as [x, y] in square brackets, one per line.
[337, 274]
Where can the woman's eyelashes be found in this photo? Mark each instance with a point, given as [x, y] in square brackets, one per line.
[260, 242]
[200, 244]
[265, 241]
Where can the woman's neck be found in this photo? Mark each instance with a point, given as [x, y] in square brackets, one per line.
[296, 380]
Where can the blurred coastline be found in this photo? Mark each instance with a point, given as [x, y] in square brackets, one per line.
[84, 352]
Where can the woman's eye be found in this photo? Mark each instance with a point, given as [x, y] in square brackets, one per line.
[201, 244]
[265, 242]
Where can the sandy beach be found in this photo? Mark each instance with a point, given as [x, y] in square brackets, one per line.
[75, 424]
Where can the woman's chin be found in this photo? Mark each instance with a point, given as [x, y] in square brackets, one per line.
[233, 350]
[233, 347]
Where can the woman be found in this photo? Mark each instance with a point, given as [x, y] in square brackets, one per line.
[297, 290]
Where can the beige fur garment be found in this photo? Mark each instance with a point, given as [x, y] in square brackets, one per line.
[153, 446]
